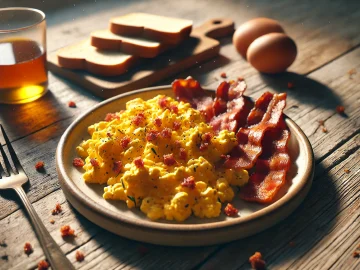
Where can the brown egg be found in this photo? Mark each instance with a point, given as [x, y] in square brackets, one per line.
[251, 30]
[272, 53]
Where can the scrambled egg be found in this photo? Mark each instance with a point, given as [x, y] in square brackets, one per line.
[161, 156]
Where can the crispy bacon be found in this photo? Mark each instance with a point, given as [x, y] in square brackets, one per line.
[111, 116]
[157, 122]
[125, 141]
[166, 133]
[139, 162]
[169, 159]
[189, 182]
[152, 135]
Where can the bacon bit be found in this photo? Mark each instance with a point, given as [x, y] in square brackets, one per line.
[111, 116]
[256, 261]
[324, 129]
[152, 135]
[176, 125]
[57, 209]
[163, 102]
[108, 134]
[117, 166]
[340, 109]
[52, 221]
[138, 119]
[78, 162]
[39, 166]
[166, 133]
[139, 163]
[28, 248]
[347, 171]
[66, 231]
[292, 244]
[189, 182]
[207, 137]
[290, 85]
[230, 210]
[72, 104]
[143, 250]
[183, 154]
[169, 159]
[157, 122]
[174, 109]
[223, 75]
[43, 265]
[125, 142]
[79, 256]
[94, 162]
[203, 146]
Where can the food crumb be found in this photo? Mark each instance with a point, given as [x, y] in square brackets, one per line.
[78, 162]
[57, 209]
[292, 244]
[230, 210]
[28, 248]
[43, 265]
[66, 231]
[256, 261]
[72, 104]
[79, 256]
[52, 221]
[352, 72]
[290, 85]
[5, 257]
[340, 109]
[322, 125]
[223, 75]
[39, 166]
[347, 171]
[324, 129]
[240, 79]
[3, 244]
[356, 253]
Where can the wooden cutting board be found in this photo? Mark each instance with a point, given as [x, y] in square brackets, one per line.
[200, 47]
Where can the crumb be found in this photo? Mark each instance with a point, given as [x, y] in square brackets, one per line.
[66, 231]
[292, 244]
[28, 248]
[39, 166]
[3, 244]
[240, 79]
[347, 171]
[143, 250]
[230, 210]
[290, 85]
[43, 265]
[5, 257]
[324, 129]
[256, 261]
[72, 104]
[321, 122]
[52, 221]
[223, 75]
[57, 209]
[322, 125]
[79, 256]
[340, 109]
[352, 72]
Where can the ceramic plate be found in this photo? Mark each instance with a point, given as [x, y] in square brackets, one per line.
[117, 218]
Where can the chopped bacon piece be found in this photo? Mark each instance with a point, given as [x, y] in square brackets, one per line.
[189, 182]
[258, 112]
[66, 231]
[183, 154]
[230, 210]
[169, 160]
[43, 265]
[163, 102]
[111, 116]
[152, 135]
[176, 125]
[72, 104]
[28, 248]
[78, 162]
[174, 109]
[125, 141]
[157, 122]
[340, 109]
[223, 75]
[139, 162]
[138, 119]
[79, 256]
[166, 133]
[206, 137]
[94, 162]
[57, 210]
[39, 166]
[257, 262]
[117, 167]
[203, 146]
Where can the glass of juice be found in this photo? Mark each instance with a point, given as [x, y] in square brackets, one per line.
[23, 72]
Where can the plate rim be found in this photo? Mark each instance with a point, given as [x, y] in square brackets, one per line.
[66, 181]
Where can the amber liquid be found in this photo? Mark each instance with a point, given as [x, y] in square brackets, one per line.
[23, 72]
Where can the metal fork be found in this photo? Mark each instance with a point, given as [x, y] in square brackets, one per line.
[15, 179]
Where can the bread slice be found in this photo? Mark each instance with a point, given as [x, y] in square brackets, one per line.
[163, 29]
[106, 40]
[83, 56]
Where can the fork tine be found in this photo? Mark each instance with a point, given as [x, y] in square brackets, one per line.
[6, 161]
[11, 151]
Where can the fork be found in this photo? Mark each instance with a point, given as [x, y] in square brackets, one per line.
[14, 179]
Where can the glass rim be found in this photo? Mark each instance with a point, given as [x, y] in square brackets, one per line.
[43, 17]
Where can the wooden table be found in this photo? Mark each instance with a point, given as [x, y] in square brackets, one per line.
[321, 234]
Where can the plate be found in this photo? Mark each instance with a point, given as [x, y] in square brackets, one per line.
[114, 216]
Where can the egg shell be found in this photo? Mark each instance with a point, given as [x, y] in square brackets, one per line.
[272, 53]
[251, 30]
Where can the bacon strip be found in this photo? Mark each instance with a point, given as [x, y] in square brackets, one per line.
[271, 167]
[246, 153]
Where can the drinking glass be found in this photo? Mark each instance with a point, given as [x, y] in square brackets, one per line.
[23, 71]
